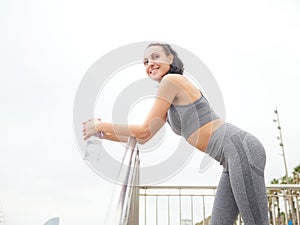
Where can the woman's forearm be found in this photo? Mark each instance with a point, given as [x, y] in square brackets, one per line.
[121, 132]
[113, 137]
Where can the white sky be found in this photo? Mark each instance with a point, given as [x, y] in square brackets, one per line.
[252, 49]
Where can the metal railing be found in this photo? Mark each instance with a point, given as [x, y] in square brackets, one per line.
[125, 201]
[175, 205]
[284, 204]
[183, 205]
[190, 205]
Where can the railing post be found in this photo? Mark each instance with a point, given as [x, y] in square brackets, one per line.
[286, 210]
[274, 211]
[134, 206]
[192, 209]
[125, 198]
[297, 209]
[203, 202]
[179, 205]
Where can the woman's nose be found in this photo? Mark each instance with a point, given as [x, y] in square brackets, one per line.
[151, 62]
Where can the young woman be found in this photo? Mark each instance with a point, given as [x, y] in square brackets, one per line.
[182, 105]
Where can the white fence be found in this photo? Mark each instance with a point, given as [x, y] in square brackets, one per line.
[190, 205]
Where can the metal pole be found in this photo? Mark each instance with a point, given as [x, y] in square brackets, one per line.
[203, 202]
[274, 212]
[297, 211]
[156, 207]
[168, 210]
[145, 206]
[179, 206]
[282, 146]
[192, 210]
[286, 210]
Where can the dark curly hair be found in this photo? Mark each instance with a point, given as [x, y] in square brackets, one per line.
[177, 65]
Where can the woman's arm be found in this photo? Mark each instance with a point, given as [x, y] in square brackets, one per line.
[155, 119]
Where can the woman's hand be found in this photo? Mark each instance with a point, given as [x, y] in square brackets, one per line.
[90, 128]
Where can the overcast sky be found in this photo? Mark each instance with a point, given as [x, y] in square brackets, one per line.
[252, 49]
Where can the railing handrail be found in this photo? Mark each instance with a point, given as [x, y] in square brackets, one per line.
[283, 186]
[123, 193]
[268, 187]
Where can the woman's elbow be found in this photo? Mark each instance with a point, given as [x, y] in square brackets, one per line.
[143, 136]
[146, 132]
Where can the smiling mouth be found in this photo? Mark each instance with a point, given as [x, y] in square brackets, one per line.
[153, 71]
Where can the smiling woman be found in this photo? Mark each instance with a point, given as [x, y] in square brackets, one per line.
[183, 106]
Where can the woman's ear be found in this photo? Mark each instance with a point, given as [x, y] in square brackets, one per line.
[171, 57]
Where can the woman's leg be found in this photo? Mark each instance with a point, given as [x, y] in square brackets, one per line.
[225, 209]
[246, 162]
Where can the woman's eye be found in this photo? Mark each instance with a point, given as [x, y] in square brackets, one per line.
[155, 56]
[146, 62]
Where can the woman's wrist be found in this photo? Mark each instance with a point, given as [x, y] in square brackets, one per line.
[99, 127]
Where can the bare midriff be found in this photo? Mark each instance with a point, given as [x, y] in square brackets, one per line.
[200, 137]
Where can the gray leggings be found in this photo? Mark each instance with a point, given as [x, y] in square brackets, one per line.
[242, 185]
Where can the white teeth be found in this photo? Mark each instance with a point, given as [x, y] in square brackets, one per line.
[152, 71]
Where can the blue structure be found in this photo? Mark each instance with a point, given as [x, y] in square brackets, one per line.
[53, 221]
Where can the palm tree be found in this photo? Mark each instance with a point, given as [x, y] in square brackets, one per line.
[296, 173]
[205, 221]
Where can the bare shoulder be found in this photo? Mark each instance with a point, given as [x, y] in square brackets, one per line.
[169, 87]
[186, 92]
[173, 79]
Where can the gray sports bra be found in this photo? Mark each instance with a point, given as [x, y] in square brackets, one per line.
[186, 119]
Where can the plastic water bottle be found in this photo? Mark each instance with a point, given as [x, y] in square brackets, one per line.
[93, 148]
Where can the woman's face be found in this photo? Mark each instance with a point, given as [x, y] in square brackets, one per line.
[157, 62]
